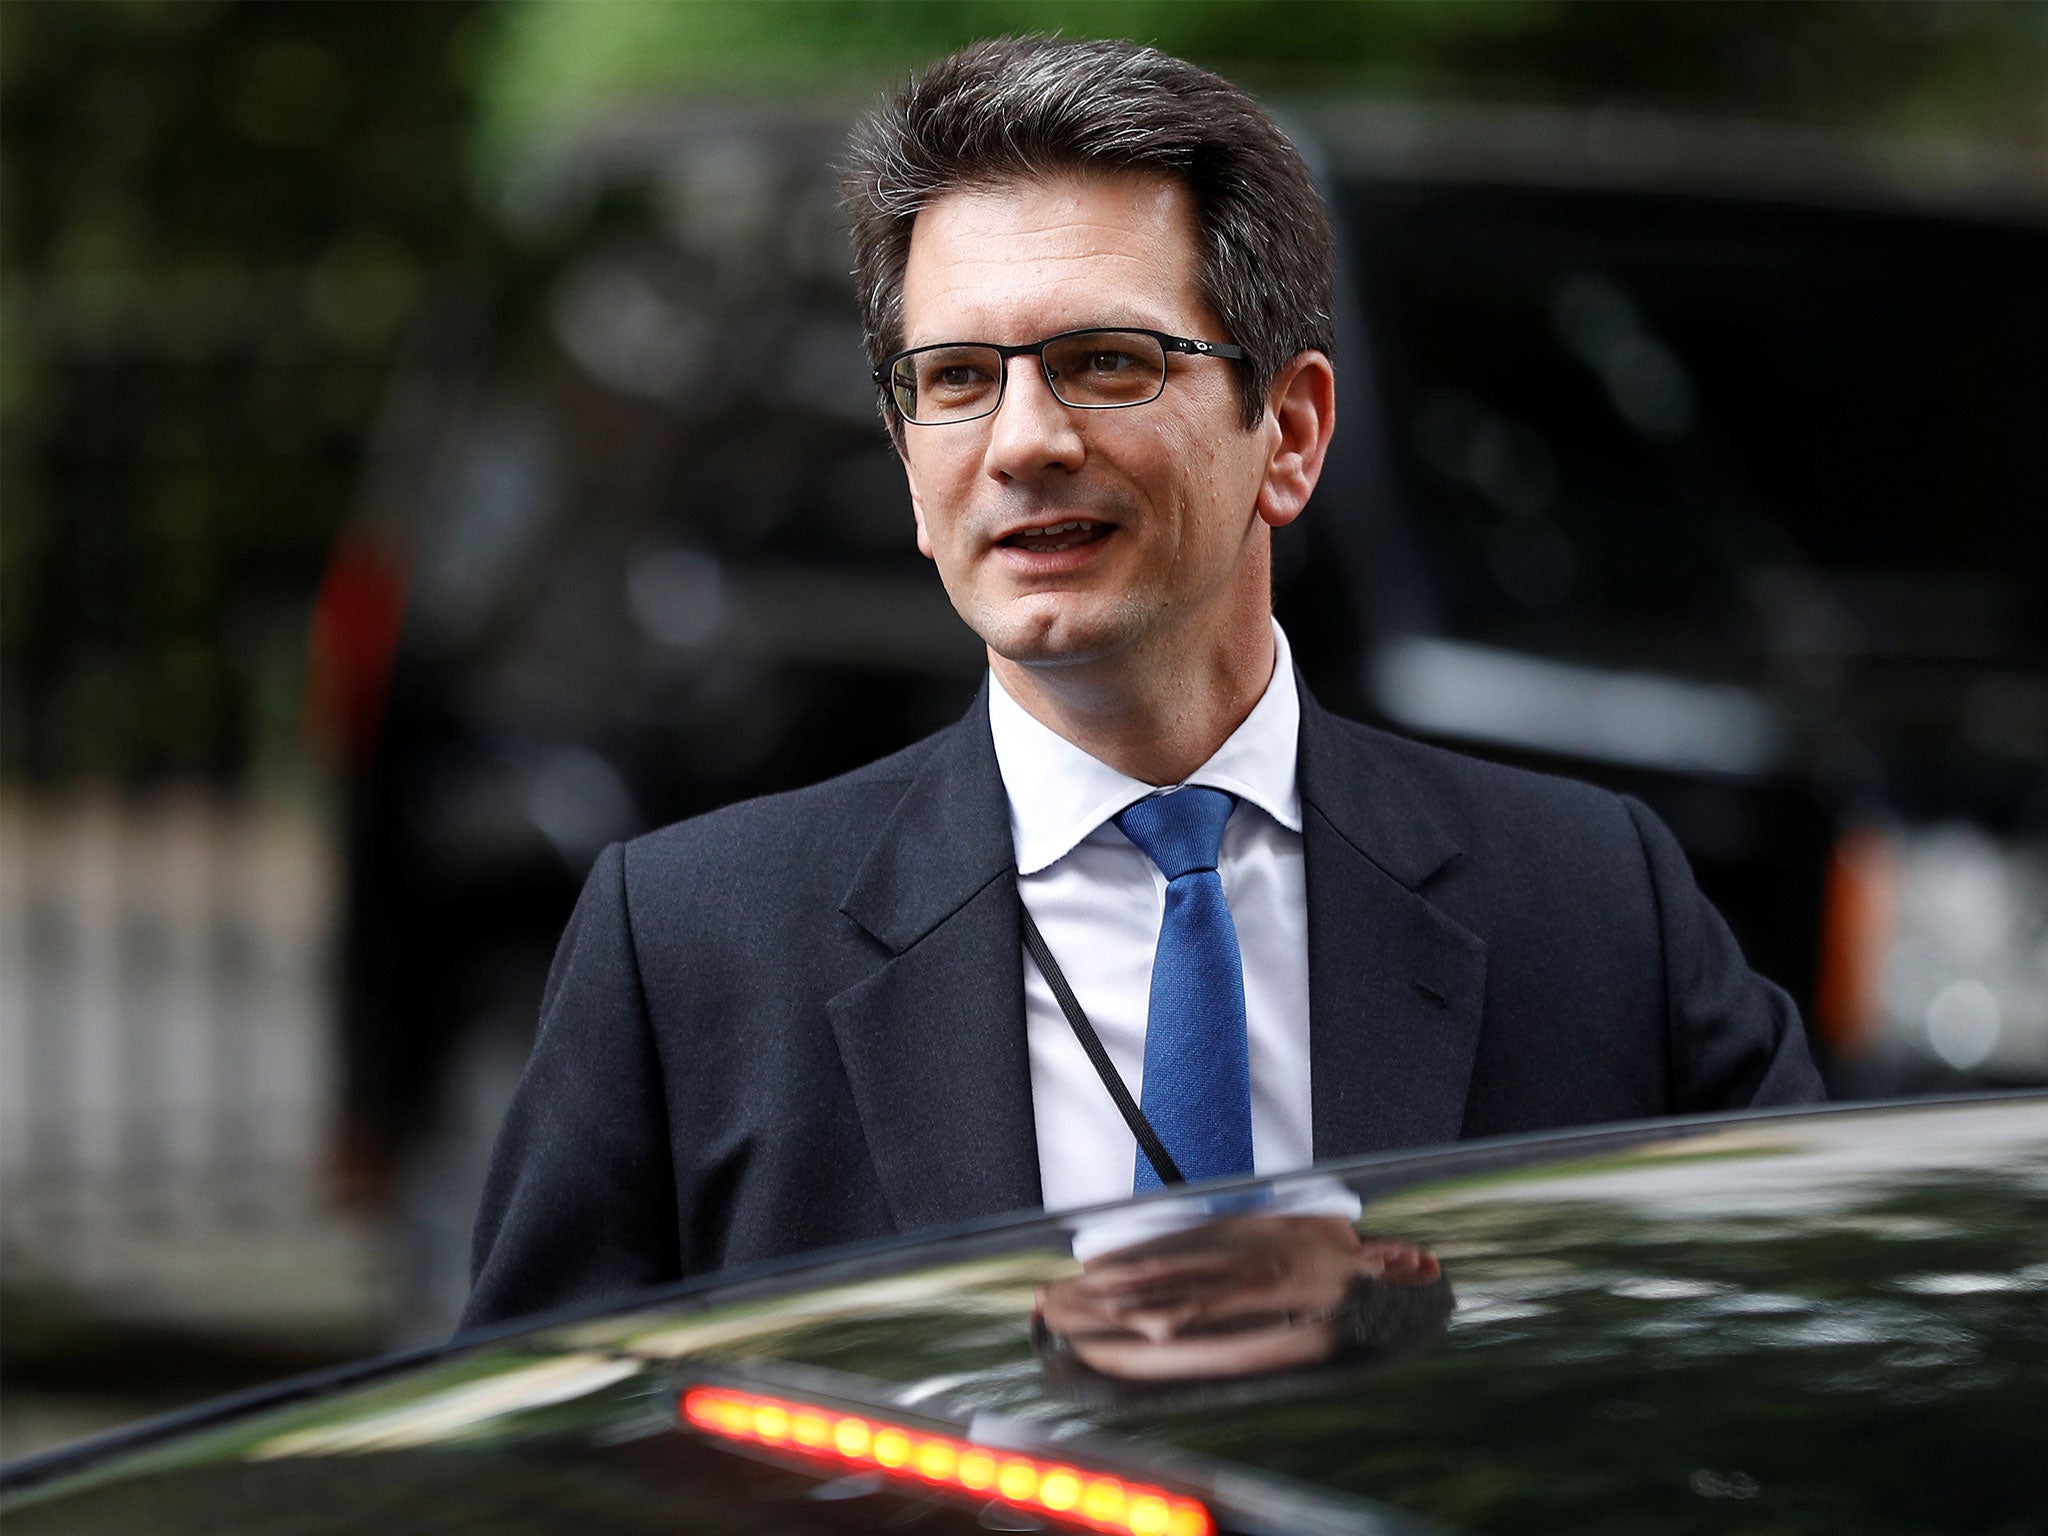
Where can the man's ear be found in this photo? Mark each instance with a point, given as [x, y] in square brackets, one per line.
[1302, 404]
[924, 538]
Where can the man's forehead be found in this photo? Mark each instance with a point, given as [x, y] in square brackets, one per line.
[1078, 190]
[1070, 248]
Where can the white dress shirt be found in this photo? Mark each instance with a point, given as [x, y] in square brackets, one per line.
[1099, 900]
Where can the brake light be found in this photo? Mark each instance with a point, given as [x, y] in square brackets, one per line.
[1090, 1500]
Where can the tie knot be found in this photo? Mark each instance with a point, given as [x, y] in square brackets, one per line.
[1182, 831]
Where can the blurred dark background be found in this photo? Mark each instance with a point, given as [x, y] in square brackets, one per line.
[381, 534]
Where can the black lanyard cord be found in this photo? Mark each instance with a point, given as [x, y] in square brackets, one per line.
[1148, 1139]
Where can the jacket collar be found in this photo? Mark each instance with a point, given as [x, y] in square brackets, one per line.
[933, 1037]
[1396, 986]
[947, 839]
[1357, 779]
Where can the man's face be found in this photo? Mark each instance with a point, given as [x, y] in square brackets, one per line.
[1170, 548]
[1239, 1297]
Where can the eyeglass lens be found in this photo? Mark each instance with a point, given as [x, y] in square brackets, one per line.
[1091, 369]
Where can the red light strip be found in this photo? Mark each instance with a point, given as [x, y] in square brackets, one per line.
[1090, 1500]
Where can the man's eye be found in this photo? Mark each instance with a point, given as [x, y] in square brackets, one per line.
[955, 380]
[1243, 1322]
[1104, 361]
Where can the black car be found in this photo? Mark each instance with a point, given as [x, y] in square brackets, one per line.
[1705, 462]
[1824, 1322]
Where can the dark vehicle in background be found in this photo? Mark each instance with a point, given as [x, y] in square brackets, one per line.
[1704, 462]
[1805, 1324]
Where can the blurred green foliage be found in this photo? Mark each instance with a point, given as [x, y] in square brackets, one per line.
[220, 218]
[1971, 67]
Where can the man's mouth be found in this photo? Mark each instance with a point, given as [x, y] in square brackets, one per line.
[1054, 537]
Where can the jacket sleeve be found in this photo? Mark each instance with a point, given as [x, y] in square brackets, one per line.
[580, 1200]
[1736, 1041]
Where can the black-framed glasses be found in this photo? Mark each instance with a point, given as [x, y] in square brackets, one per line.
[1092, 370]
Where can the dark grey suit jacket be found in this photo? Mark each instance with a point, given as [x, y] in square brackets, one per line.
[799, 1021]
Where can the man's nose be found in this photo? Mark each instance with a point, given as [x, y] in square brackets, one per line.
[1031, 430]
[1158, 1323]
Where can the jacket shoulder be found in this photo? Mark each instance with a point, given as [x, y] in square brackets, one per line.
[1486, 808]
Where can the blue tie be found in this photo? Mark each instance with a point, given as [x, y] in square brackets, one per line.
[1197, 1090]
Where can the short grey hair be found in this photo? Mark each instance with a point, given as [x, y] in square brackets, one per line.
[1023, 108]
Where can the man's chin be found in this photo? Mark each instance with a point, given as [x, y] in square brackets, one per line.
[1036, 633]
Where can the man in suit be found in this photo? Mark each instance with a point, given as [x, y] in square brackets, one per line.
[1096, 284]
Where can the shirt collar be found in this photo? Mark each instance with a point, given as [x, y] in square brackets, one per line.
[1059, 794]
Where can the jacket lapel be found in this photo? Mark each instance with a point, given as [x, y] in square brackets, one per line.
[933, 1041]
[1395, 986]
